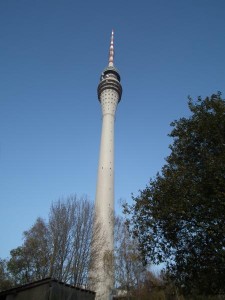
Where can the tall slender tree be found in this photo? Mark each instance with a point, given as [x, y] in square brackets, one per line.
[130, 271]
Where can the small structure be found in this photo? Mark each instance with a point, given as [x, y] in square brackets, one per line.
[47, 289]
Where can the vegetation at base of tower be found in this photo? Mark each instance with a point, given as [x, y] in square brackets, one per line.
[179, 217]
[5, 280]
[59, 248]
[129, 269]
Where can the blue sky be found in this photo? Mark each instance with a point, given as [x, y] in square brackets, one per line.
[52, 55]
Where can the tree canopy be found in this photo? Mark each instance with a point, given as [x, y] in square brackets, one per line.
[58, 248]
[179, 217]
[61, 248]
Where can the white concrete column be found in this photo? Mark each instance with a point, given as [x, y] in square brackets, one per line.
[104, 202]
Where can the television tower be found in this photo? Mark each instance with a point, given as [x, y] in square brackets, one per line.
[109, 95]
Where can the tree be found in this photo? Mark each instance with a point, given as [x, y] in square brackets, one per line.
[133, 278]
[130, 271]
[179, 217]
[70, 227]
[5, 282]
[31, 261]
[59, 248]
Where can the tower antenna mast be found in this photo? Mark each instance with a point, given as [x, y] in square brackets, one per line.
[111, 50]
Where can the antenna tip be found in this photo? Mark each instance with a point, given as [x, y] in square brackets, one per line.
[111, 50]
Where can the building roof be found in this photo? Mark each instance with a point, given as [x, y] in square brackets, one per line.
[39, 283]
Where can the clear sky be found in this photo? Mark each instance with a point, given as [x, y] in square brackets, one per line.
[52, 54]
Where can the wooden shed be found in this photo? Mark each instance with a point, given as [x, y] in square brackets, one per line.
[47, 289]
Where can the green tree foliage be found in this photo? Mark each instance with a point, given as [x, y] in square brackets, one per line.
[179, 217]
[59, 248]
[31, 261]
[5, 282]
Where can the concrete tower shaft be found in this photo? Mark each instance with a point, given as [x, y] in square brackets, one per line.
[109, 95]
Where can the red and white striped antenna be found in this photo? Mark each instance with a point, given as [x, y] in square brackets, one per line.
[111, 50]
